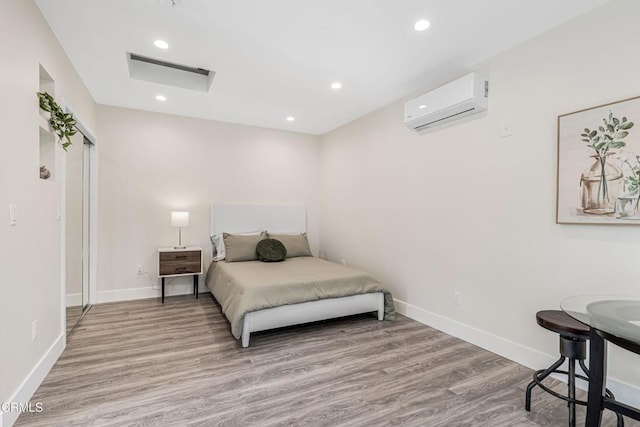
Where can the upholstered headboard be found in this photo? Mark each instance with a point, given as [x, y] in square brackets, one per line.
[238, 218]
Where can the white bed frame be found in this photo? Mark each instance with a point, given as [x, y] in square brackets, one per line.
[236, 218]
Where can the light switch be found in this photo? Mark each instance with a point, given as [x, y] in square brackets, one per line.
[13, 220]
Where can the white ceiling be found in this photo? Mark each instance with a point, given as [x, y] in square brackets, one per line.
[277, 58]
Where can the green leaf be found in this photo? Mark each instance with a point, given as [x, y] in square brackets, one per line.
[617, 144]
[616, 121]
[620, 135]
[592, 134]
[63, 124]
[626, 125]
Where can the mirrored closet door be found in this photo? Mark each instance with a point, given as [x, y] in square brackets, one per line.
[77, 226]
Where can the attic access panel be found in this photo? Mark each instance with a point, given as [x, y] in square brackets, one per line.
[169, 73]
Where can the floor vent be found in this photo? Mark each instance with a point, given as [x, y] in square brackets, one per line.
[169, 73]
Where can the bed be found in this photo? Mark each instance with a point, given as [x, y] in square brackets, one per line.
[257, 296]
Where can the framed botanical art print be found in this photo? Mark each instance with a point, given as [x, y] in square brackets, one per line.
[598, 179]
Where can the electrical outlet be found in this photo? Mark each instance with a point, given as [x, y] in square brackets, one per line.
[139, 270]
[13, 218]
[34, 330]
[505, 130]
[457, 298]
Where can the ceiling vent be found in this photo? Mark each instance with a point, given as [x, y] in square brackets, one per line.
[168, 73]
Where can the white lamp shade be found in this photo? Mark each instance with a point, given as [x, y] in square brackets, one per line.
[179, 219]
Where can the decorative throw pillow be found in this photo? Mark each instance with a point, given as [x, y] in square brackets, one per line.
[239, 247]
[271, 250]
[296, 244]
[217, 243]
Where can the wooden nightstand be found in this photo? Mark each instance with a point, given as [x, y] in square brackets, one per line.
[180, 262]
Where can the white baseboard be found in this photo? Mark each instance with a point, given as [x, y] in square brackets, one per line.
[33, 380]
[527, 356]
[624, 392]
[73, 300]
[130, 294]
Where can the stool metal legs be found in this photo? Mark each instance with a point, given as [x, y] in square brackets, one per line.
[538, 376]
[572, 391]
[572, 349]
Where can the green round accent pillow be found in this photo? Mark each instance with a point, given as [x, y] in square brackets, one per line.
[271, 250]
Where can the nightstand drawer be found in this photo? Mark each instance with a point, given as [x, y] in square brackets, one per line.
[179, 267]
[182, 256]
[173, 262]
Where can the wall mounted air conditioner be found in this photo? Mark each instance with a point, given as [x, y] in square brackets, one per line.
[460, 98]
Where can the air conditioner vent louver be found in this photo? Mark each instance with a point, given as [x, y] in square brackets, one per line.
[161, 63]
[459, 98]
[451, 117]
[169, 73]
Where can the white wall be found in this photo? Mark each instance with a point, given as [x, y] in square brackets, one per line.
[30, 253]
[150, 164]
[461, 208]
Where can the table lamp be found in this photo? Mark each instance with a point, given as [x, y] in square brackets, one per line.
[179, 219]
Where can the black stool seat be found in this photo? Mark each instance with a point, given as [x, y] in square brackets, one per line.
[573, 346]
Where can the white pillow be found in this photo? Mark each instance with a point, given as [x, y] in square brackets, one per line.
[218, 244]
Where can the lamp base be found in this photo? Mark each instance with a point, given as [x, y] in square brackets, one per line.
[179, 247]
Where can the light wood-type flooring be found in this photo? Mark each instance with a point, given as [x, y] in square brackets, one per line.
[143, 363]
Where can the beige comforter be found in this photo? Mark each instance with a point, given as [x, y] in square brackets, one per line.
[243, 287]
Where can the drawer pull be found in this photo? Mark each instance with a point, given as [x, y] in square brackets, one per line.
[181, 257]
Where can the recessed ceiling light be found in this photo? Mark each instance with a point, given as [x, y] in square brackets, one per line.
[161, 44]
[421, 25]
[291, 119]
[336, 85]
[422, 106]
[161, 97]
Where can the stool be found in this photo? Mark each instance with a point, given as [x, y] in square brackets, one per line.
[573, 346]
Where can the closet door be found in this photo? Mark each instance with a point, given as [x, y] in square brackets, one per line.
[77, 225]
[73, 186]
[86, 203]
